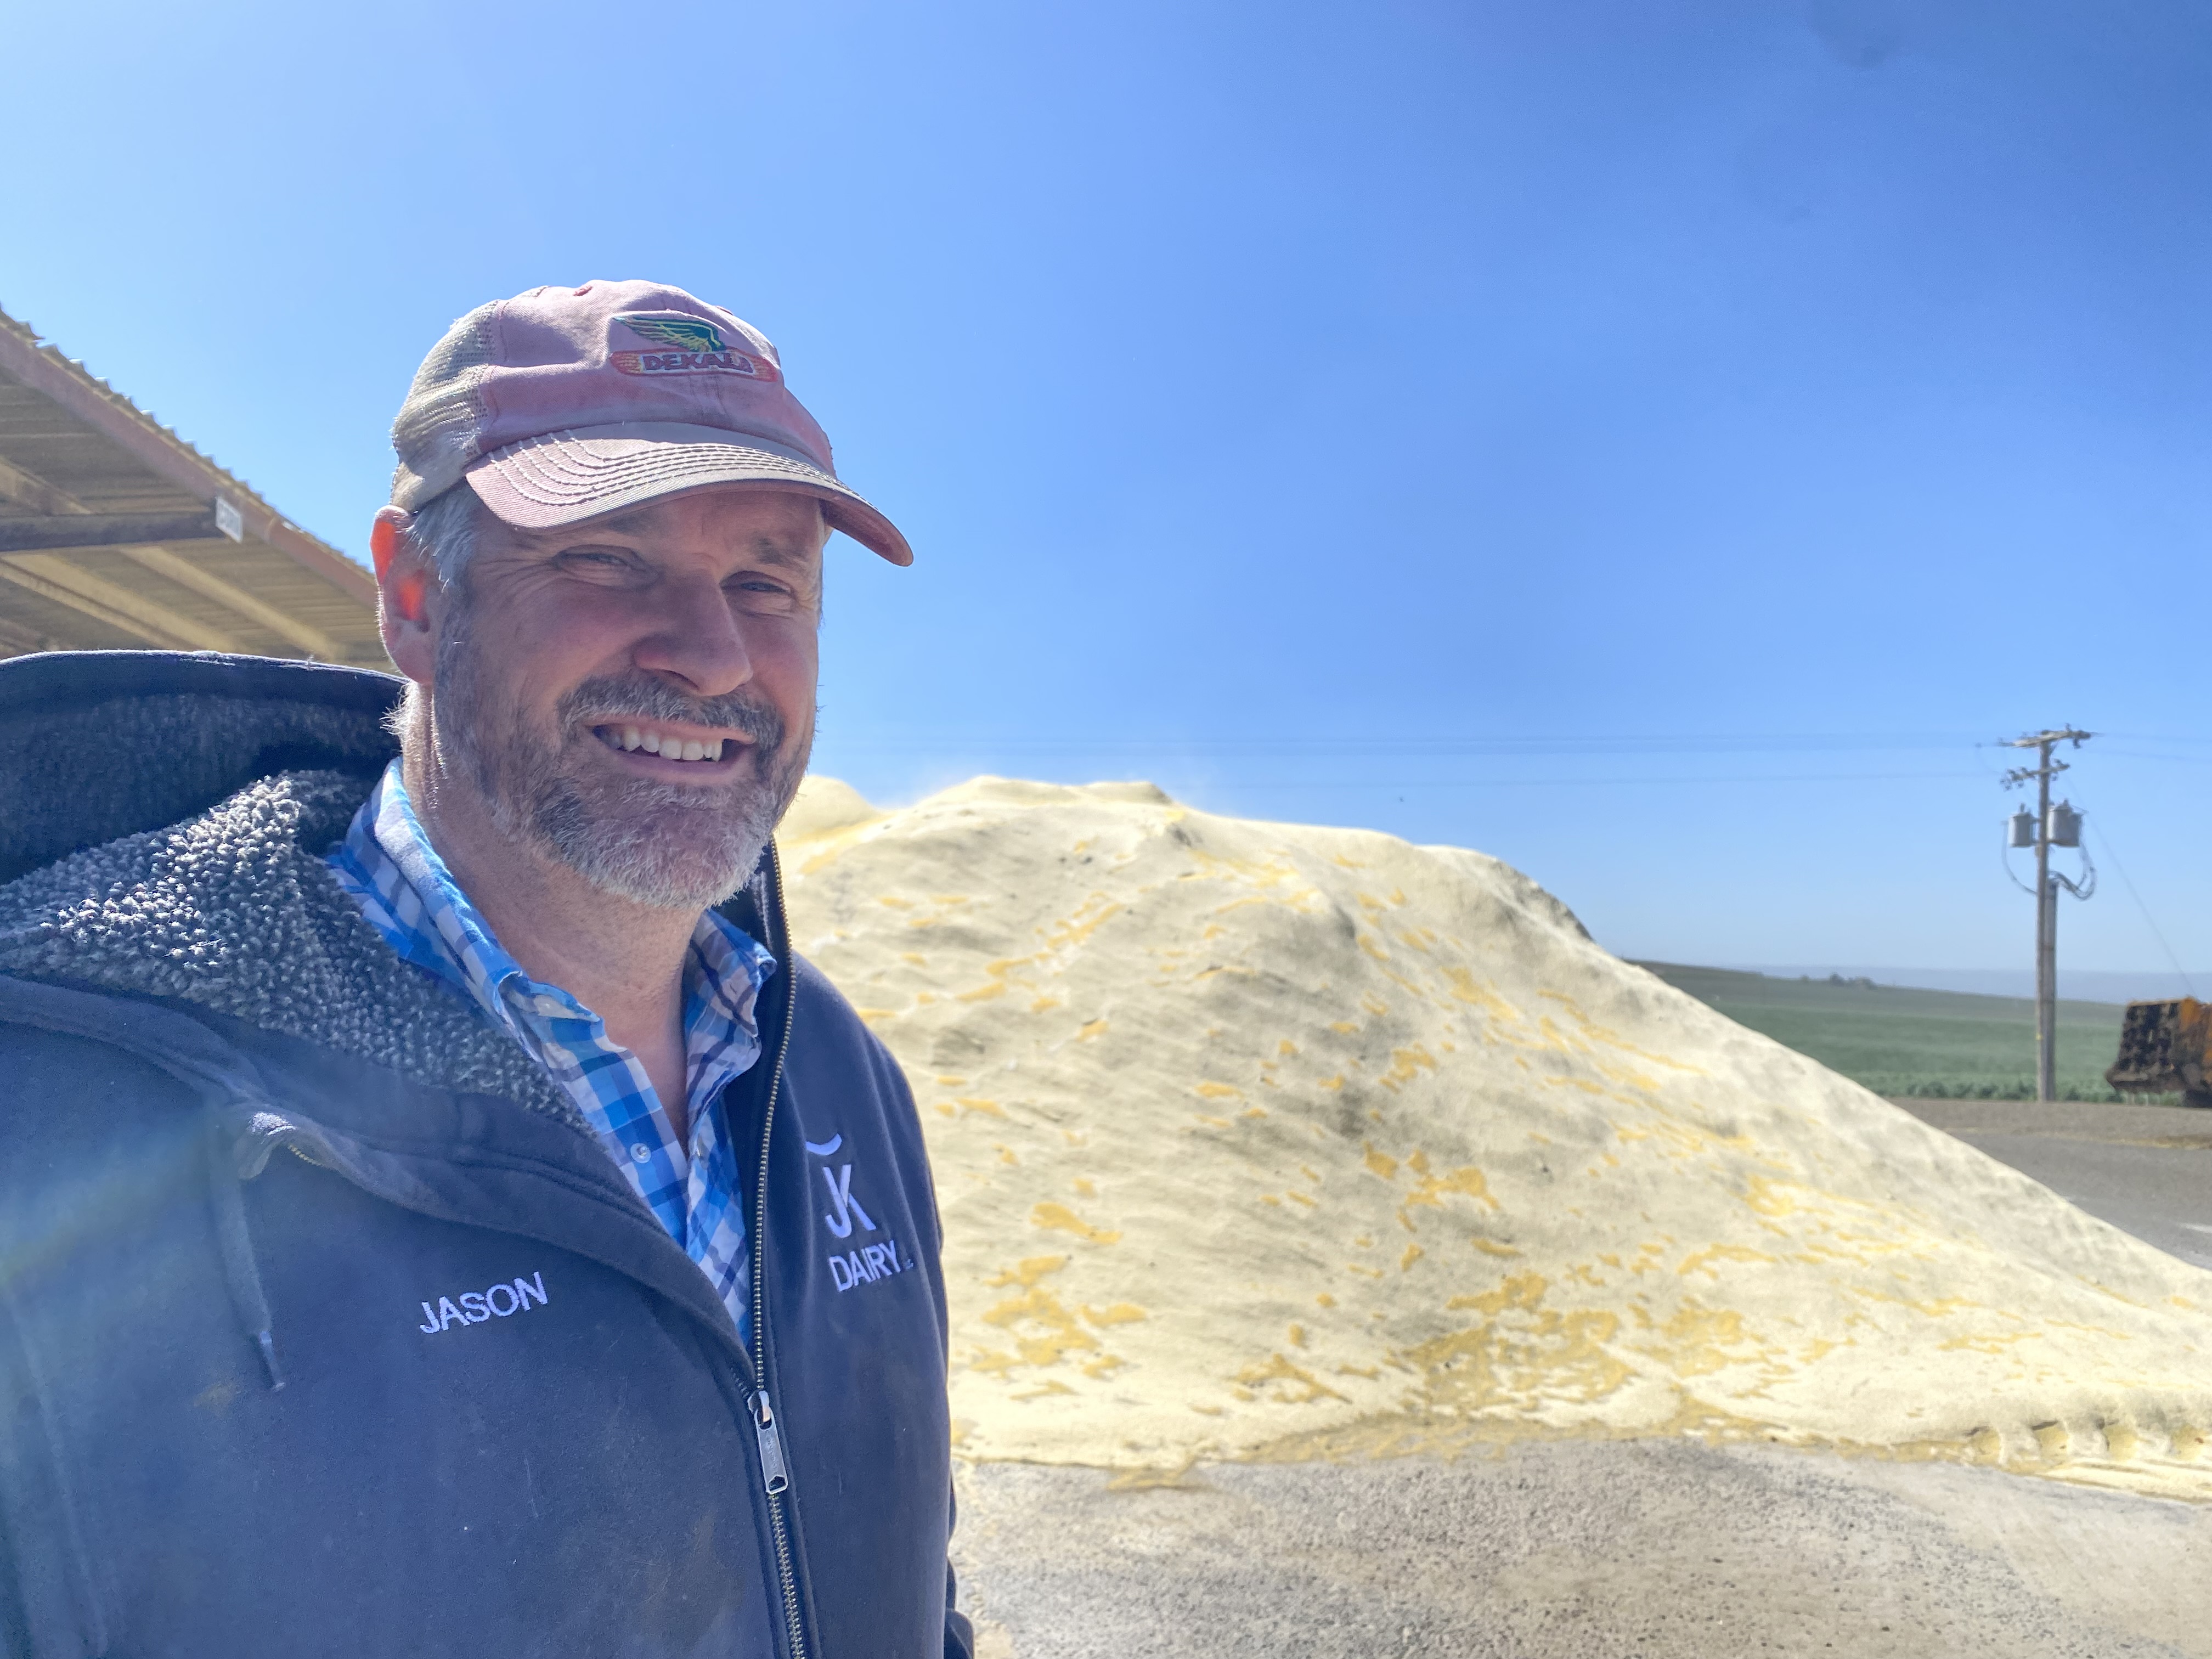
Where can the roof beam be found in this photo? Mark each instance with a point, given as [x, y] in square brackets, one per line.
[28, 490]
[16, 641]
[30, 582]
[171, 567]
[105, 530]
[55, 578]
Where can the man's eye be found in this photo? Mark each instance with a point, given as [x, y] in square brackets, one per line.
[761, 589]
[598, 560]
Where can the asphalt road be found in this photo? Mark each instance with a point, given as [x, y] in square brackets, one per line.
[1578, 1549]
[2147, 1170]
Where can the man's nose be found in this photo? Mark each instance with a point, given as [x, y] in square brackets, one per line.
[694, 637]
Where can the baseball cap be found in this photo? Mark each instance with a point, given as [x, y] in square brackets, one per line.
[565, 403]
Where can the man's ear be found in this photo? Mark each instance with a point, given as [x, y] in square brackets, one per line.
[406, 584]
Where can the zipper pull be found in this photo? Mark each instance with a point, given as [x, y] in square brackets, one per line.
[774, 1477]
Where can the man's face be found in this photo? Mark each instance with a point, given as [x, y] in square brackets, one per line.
[569, 657]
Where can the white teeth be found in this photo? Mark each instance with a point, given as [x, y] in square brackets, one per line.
[633, 737]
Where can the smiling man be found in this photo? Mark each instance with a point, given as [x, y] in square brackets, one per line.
[597, 1309]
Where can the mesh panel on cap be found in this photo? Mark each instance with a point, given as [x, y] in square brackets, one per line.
[435, 434]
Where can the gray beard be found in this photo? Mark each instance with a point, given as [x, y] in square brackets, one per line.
[675, 846]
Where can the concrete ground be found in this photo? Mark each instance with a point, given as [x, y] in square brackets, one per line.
[1579, 1550]
[2147, 1170]
[1632, 1549]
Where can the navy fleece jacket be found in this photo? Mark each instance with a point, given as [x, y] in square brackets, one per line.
[326, 1327]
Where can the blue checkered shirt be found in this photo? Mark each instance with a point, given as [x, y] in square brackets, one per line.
[407, 895]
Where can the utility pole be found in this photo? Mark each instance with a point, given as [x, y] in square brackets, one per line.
[2058, 827]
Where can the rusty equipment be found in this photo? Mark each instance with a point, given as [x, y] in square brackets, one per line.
[2166, 1048]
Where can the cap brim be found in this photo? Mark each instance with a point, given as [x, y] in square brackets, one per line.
[564, 477]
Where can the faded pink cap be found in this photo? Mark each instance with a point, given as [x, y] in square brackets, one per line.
[562, 404]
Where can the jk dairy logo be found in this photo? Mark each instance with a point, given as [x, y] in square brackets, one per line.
[865, 1259]
[685, 345]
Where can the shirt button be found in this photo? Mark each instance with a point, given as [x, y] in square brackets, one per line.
[641, 1153]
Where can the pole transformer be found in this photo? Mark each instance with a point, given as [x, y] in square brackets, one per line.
[2054, 825]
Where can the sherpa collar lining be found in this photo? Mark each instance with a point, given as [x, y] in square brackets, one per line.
[234, 910]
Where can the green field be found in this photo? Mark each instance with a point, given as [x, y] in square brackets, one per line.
[1946, 1044]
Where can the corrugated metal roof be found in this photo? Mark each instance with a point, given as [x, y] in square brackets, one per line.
[115, 533]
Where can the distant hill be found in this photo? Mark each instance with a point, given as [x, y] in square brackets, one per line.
[1896, 1041]
[2075, 984]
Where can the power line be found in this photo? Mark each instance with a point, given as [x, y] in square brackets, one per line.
[937, 742]
[2139, 754]
[1598, 782]
[938, 745]
[2112, 852]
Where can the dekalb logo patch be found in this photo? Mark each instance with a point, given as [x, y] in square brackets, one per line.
[689, 345]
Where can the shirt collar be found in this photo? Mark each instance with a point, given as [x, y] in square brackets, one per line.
[724, 968]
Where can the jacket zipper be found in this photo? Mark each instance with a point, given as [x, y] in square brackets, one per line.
[776, 1475]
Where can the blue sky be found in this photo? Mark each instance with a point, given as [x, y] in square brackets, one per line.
[1651, 442]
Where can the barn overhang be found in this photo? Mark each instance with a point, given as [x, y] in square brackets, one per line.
[116, 534]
